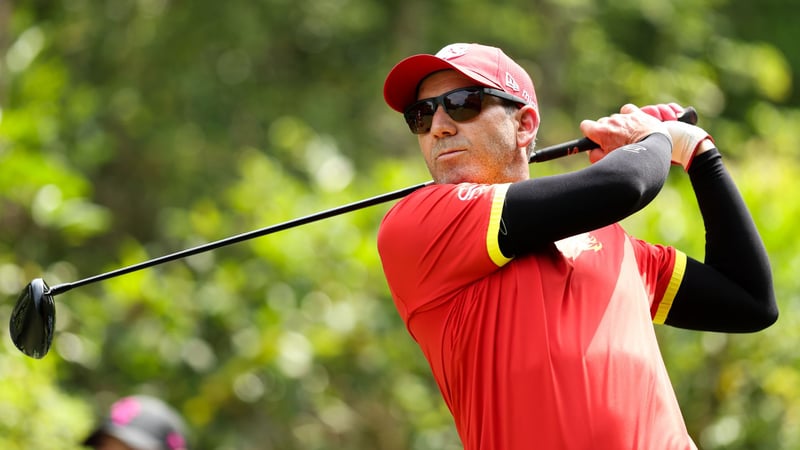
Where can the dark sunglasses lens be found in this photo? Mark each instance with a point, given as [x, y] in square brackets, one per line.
[419, 116]
[463, 105]
[460, 105]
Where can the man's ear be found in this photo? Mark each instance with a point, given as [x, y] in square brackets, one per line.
[528, 119]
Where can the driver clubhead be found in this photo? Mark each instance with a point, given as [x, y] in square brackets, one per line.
[33, 320]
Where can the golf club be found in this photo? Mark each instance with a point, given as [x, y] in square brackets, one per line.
[33, 318]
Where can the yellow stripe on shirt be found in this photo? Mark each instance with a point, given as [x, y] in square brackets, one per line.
[492, 233]
[678, 270]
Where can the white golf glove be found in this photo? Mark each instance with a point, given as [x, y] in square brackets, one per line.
[686, 139]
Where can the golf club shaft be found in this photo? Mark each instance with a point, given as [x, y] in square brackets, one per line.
[361, 204]
[544, 154]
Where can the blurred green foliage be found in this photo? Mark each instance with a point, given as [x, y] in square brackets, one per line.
[130, 129]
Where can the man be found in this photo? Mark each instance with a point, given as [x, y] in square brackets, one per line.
[139, 422]
[531, 304]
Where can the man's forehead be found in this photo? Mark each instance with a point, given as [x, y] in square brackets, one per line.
[442, 81]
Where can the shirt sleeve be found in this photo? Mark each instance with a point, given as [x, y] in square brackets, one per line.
[438, 240]
[662, 268]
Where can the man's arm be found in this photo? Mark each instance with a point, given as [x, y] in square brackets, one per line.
[732, 289]
[543, 210]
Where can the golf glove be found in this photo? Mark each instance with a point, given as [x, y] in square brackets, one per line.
[686, 139]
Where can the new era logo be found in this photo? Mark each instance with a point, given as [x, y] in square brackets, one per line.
[511, 82]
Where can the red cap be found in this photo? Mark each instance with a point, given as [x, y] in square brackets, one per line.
[486, 66]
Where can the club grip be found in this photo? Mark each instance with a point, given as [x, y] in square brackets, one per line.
[689, 115]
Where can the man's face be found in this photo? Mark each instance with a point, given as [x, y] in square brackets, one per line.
[480, 150]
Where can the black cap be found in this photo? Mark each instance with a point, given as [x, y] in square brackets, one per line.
[143, 423]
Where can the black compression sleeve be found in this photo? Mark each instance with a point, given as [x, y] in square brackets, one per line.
[732, 291]
[544, 210]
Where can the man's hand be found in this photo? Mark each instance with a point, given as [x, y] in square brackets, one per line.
[687, 140]
[629, 126]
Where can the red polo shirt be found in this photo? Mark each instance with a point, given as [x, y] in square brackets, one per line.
[553, 350]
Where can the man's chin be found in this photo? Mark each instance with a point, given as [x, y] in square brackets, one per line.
[454, 179]
[456, 174]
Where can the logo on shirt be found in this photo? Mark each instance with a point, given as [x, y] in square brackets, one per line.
[573, 246]
[469, 191]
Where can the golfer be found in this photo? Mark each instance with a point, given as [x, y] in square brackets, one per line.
[139, 422]
[532, 305]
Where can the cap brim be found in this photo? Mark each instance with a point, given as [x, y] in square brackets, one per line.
[400, 87]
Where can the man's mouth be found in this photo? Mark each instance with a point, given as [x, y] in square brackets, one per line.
[450, 153]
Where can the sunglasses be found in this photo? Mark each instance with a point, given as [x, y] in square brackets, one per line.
[460, 104]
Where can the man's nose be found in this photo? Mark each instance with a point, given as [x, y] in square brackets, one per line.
[442, 124]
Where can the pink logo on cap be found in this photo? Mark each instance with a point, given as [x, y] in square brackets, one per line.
[124, 410]
[176, 441]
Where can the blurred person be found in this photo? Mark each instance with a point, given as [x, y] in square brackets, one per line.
[139, 422]
[532, 305]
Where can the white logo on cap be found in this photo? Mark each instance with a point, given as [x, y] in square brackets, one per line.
[452, 51]
[511, 82]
